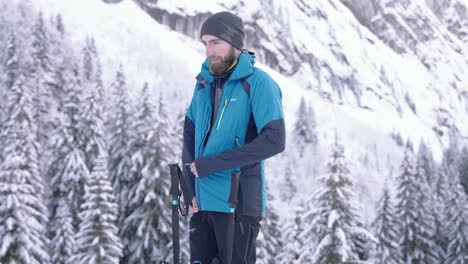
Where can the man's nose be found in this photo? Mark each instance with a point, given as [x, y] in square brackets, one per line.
[209, 51]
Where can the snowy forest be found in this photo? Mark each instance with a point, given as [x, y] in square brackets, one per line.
[84, 175]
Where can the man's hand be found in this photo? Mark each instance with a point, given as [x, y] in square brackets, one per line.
[194, 207]
[194, 169]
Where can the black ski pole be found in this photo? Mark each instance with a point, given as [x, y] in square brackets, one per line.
[232, 204]
[175, 193]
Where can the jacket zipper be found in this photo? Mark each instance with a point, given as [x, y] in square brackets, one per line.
[237, 141]
[222, 113]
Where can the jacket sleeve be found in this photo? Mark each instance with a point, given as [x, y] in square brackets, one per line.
[267, 110]
[188, 148]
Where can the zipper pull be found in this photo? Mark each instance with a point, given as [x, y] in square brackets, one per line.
[222, 113]
[237, 141]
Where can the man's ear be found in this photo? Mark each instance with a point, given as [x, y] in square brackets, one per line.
[237, 52]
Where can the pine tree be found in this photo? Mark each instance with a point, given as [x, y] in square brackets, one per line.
[167, 146]
[120, 149]
[416, 221]
[442, 194]
[61, 57]
[43, 80]
[288, 188]
[60, 26]
[88, 63]
[4, 31]
[337, 223]
[97, 239]
[144, 126]
[305, 134]
[457, 250]
[95, 57]
[463, 169]
[426, 164]
[426, 169]
[63, 243]
[166, 149]
[385, 230]
[269, 240]
[149, 222]
[147, 228]
[177, 133]
[22, 213]
[294, 251]
[67, 169]
[90, 126]
[10, 74]
[11, 66]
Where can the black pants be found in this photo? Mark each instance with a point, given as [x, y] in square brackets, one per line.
[208, 231]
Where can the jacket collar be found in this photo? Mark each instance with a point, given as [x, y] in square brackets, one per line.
[244, 68]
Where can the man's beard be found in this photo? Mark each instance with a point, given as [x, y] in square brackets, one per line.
[222, 63]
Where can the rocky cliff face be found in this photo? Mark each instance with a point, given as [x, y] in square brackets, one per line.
[407, 56]
[451, 15]
[258, 25]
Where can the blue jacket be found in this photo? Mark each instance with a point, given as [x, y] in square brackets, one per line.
[248, 128]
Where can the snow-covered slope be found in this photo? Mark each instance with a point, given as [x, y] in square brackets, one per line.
[125, 35]
[358, 86]
[409, 66]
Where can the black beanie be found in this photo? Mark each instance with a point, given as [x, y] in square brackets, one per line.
[225, 26]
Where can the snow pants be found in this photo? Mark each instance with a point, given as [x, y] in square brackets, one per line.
[208, 234]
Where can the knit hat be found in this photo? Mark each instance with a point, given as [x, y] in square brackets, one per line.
[225, 26]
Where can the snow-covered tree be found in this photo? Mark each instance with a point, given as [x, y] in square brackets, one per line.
[464, 169]
[62, 57]
[426, 164]
[8, 77]
[120, 145]
[97, 240]
[90, 65]
[168, 143]
[67, 169]
[288, 189]
[166, 150]
[144, 125]
[10, 65]
[304, 133]
[63, 243]
[59, 25]
[91, 126]
[385, 230]
[337, 222]
[149, 221]
[147, 229]
[293, 250]
[22, 210]
[457, 250]
[427, 172]
[269, 242]
[42, 80]
[177, 132]
[442, 195]
[417, 226]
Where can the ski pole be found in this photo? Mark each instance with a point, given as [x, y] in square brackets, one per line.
[231, 221]
[175, 193]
